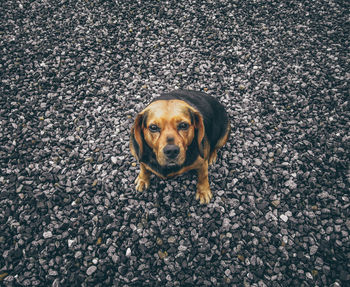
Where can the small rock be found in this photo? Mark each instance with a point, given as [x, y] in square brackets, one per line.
[232, 213]
[329, 230]
[262, 205]
[115, 258]
[347, 223]
[226, 222]
[234, 181]
[128, 252]
[220, 192]
[162, 254]
[53, 272]
[71, 242]
[272, 249]
[56, 283]
[319, 261]
[313, 249]
[47, 234]
[323, 195]
[19, 189]
[182, 248]
[171, 239]
[257, 162]
[309, 276]
[235, 226]
[291, 184]
[114, 159]
[123, 270]
[288, 213]
[275, 203]
[240, 257]
[78, 255]
[284, 217]
[91, 270]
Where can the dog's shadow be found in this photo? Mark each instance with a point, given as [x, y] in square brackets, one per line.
[177, 192]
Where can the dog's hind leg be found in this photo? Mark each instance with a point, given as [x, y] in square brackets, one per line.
[220, 144]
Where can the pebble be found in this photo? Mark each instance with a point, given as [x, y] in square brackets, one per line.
[291, 184]
[272, 249]
[47, 234]
[71, 138]
[275, 203]
[309, 276]
[71, 242]
[257, 162]
[235, 226]
[226, 222]
[182, 248]
[171, 239]
[313, 249]
[92, 269]
[78, 254]
[53, 272]
[284, 217]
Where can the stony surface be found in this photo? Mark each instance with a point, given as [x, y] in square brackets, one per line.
[73, 76]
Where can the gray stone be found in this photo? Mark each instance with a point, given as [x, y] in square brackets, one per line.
[47, 234]
[92, 269]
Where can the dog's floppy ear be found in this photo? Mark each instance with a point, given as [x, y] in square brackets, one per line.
[137, 134]
[199, 125]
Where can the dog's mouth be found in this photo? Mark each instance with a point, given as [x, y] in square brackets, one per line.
[171, 163]
[176, 162]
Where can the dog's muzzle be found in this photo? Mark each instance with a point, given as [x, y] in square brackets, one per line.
[171, 151]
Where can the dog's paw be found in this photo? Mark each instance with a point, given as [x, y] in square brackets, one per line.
[204, 195]
[142, 183]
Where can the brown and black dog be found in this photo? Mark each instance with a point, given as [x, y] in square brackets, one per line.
[177, 132]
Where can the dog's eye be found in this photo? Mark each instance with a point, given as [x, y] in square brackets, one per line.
[183, 126]
[154, 128]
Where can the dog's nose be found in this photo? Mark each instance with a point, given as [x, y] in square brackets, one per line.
[171, 151]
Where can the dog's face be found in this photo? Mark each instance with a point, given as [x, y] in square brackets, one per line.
[168, 127]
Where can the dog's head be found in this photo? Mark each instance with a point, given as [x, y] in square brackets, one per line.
[168, 127]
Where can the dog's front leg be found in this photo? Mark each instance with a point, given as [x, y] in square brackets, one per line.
[203, 189]
[143, 180]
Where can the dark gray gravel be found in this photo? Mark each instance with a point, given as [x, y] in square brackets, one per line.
[73, 76]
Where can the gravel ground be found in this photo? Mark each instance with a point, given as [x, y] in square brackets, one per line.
[73, 76]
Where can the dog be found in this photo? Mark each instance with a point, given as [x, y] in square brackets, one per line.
[177, 132]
